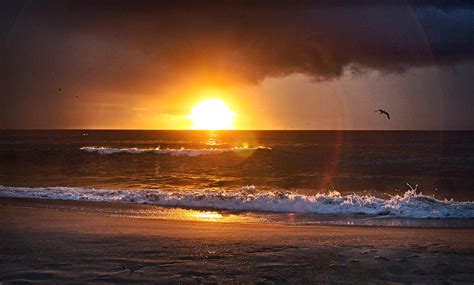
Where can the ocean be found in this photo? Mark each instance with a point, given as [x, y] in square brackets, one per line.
[343, 177]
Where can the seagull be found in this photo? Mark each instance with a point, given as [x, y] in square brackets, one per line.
[383, 112]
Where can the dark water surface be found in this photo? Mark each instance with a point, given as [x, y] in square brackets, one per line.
[304, 172]
[310, 161]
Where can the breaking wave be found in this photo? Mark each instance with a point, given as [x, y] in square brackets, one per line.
[172, 151]
[408, 205]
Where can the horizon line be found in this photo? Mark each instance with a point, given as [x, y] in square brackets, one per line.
[233, 130]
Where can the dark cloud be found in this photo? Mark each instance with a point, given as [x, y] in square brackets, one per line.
[138, 46]
[110, 40]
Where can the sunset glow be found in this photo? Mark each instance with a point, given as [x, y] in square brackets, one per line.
[244, 142]
[212, 114]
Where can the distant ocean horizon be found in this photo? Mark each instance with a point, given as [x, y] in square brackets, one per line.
[401, 174]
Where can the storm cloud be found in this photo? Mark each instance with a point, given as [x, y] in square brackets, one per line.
[125, 49]
[125, 44]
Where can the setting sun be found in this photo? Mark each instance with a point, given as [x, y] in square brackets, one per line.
[212, 114]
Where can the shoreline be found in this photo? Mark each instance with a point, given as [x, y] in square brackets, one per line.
[47, 245]
[183, 214]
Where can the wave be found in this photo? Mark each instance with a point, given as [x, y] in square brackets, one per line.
[176, 152]
[408, 205]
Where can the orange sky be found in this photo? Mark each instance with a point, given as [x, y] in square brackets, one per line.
[290, 102]
[144, 65]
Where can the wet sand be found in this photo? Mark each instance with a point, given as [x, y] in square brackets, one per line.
[57, 246]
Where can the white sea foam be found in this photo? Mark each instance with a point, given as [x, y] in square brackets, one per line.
[176, 152]
[409, 205]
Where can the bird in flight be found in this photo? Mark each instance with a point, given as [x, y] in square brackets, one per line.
[383, 112]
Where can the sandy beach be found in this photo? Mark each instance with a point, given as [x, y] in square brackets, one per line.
[45, 245]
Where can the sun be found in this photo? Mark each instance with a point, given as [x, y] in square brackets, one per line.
[212, 114]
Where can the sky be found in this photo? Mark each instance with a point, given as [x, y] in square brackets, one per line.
[320, 65]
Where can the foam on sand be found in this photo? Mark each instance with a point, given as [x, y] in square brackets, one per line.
[408, 205]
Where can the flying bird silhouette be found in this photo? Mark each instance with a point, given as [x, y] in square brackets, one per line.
[383, 112]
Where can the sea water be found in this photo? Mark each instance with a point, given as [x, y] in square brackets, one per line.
[353, 177]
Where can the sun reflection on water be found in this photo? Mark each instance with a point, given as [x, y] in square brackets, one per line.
[153, 212]
[208, 216]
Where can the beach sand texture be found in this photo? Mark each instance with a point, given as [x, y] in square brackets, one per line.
[42, 245]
